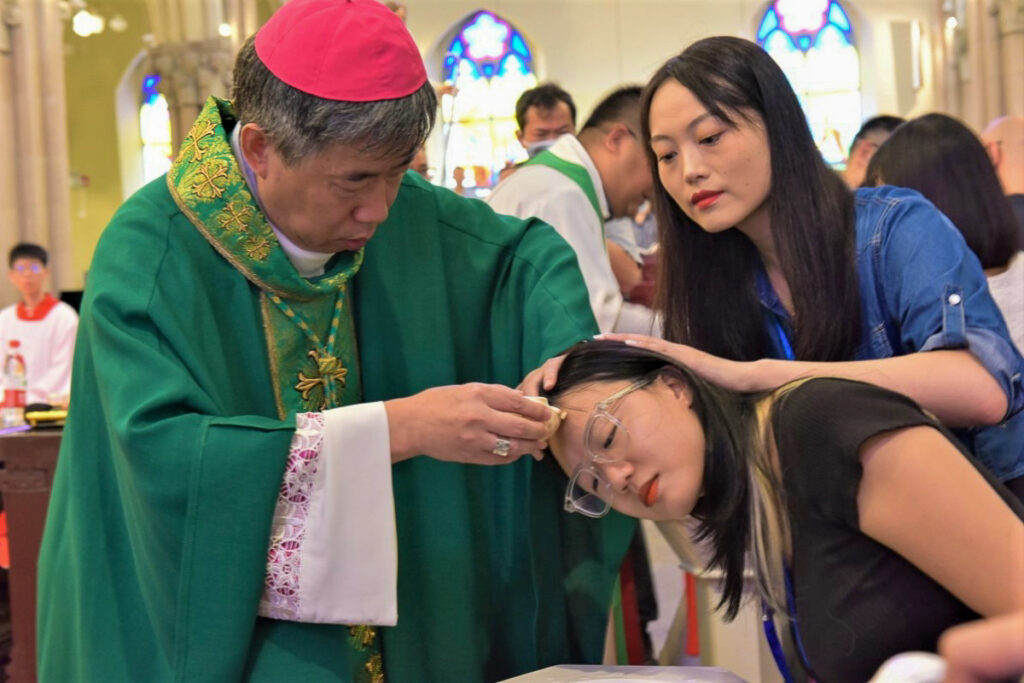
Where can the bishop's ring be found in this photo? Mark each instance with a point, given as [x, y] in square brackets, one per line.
[502, 447]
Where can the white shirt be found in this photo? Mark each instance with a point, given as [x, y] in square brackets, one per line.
[542, 192]
[47, 345]
[1007, 289]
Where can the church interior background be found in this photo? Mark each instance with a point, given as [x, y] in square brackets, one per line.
[95, 94]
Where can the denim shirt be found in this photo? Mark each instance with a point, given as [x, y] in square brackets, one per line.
[922, 289]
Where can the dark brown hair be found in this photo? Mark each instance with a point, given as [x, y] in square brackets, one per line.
[945, 161]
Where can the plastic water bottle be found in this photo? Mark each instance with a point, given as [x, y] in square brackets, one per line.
[15, 386]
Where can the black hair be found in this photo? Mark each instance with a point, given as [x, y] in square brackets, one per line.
[945, 161]
[883, 123]
[729, 424]
[707, 283]
[622, 105]
[27, 250]
[545, 97]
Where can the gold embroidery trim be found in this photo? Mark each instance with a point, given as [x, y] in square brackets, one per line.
[362, 636]
[375, 667]
[197, 136]
[275, 372]
[327, 368]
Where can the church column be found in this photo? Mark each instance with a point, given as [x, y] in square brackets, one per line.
[1011, 43]
[34, 176]
[192, 58]
[190, 72]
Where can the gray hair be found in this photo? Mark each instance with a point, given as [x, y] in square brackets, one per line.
[299, 124]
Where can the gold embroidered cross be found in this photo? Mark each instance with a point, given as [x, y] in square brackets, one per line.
[233, 217]
[208, 182]
[193, 144]
[327, 368]
[257, 248]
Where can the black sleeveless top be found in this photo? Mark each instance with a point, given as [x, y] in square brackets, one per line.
[857, 602]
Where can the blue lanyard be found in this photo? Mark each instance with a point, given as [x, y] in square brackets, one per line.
[787, 348]
[772, 635]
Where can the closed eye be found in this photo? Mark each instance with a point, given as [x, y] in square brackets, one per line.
[710, 139]
[611, 437]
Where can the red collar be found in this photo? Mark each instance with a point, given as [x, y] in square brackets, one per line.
[40, 311]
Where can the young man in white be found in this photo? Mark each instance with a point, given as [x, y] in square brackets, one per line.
[43, 326]
[576, 185]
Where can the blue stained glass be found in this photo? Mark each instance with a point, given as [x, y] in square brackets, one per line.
[486, 36]
[768, 24]
[837, 16]
[822, 65]
[511, 64]
[490, 62]
[778, 41]
[149, 84]
[519, 46]
[469, 68]
[831, 36]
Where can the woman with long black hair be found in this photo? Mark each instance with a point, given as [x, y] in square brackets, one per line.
[771, 269]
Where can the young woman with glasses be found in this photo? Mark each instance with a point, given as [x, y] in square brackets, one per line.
[771, 269]
[861, 519]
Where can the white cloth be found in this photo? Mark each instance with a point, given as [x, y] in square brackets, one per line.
[47, 346]
[341, 564]
[1007, 289]
[542, 192]
[333, 548]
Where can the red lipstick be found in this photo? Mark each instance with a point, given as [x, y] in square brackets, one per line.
[702, 199]
[649, 492]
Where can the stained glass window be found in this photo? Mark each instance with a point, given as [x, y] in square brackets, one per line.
[812, 41]
[155, 129]
[490, 64]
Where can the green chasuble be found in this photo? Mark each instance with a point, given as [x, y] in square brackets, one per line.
[188, 372]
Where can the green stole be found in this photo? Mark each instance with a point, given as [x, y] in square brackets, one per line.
[308, 324]
[574, 172]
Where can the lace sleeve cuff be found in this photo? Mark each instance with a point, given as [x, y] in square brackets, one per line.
[332, 555]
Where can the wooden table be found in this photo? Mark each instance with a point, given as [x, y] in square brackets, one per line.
[29, 460]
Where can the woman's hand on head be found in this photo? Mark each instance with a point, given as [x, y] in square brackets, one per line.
[467, 423]
[728, 374]
[543, 378]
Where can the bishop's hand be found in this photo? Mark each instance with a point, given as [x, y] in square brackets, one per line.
[481, 424]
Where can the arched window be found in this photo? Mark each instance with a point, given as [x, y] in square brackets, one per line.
[155, 130]
[490, 64]
[812, 41]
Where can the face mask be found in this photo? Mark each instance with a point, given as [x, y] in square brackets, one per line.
[535, 148]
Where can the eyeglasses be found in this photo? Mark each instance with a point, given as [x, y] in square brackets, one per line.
[605, 440]
[605, 437]
[35, 268]
[588, 493]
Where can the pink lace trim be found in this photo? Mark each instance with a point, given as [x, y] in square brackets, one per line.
[280, 598]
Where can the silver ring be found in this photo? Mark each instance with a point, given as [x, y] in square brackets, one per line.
[502, 447]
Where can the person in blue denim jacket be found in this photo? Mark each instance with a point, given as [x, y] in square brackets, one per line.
[773, 270]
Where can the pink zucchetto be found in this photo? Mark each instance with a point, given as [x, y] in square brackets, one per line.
[348, 50]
